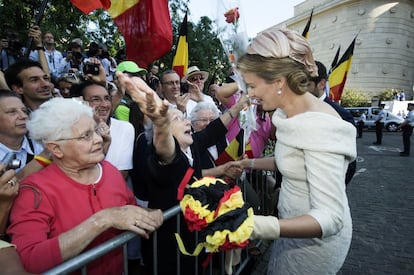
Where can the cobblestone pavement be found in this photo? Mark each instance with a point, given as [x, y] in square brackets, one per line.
[381, 198]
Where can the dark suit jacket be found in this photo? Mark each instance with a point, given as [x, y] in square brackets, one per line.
[344, 113]
[347, 116]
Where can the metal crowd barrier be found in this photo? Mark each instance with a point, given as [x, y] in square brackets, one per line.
[259, 182]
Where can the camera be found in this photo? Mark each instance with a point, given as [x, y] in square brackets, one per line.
[11, 162]
[90, 68]
[184, 88]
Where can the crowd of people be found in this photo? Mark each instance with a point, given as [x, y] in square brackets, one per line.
[104, 146]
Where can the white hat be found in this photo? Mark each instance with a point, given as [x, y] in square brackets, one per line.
[192, 71]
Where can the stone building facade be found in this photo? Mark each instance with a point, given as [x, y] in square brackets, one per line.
[384, 49]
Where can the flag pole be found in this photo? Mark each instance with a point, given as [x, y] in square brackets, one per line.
[38, 18]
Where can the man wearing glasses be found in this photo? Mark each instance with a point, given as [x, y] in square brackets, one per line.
[195, 79]
[53, 56]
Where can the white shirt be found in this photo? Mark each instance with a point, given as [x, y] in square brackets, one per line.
[362, 118]
[122, 144]
[21, 154]
[191, 103]
[54, 58]
[410, 118]
[381, 116]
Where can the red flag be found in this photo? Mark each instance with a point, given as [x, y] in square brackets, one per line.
[145, 25]
[89, 6]
[305, 32]
[180, 62]
[339, 73]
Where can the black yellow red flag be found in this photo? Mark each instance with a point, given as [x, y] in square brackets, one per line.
[180, 61]
[339, 73]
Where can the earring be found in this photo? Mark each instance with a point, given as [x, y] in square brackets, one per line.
[279, 91]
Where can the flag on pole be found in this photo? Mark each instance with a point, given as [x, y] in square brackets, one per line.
[339, 73]
[335, 60]
[333, 64]
[307, 27]
[145, 25]
[180, 61]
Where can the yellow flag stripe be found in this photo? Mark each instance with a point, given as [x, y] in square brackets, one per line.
[181, 56]
[120, 6]
[337, 75]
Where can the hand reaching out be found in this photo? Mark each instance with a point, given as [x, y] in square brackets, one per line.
[232, 169]
[148, 100]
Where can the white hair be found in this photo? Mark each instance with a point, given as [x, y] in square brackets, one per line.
[203, 105]
[54, 119]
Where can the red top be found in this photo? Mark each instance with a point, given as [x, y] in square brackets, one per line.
[53, 204]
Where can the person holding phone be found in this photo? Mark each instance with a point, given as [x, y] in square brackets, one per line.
[9, 188]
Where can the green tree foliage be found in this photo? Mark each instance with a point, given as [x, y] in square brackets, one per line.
[386, 95]
[354, 98]
[60, 17]
[66, 22]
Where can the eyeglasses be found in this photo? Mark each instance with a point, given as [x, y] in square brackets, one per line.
[172, 83]
[96, 100]
[205, 119]
[87, 136]
[195, 78]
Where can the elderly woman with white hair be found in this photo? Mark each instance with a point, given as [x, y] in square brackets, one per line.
[313, 149]
[202, 114]
[79, 200]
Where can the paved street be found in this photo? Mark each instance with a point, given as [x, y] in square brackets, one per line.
[381, 197]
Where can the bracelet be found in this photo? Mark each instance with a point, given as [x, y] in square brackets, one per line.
[42, 160]
[230, 114]
[40, 48]
[252, 163]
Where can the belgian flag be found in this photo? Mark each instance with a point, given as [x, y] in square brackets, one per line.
[235, 150]
[339, 73]
[180, 61]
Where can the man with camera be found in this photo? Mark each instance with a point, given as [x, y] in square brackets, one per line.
[72, 63]
[10, 49]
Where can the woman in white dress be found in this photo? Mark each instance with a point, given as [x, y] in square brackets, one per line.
[313, 149]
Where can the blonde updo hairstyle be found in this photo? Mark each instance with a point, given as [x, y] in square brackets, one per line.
[280, 53]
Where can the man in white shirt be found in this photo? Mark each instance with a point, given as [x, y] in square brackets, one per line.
[407, 128]
[361, 122]
[53, 56]
[195, 78]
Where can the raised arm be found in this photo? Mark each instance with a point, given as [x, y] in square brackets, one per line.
[36, 34]
[225, 92]
[234, 110]
[156, 110]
